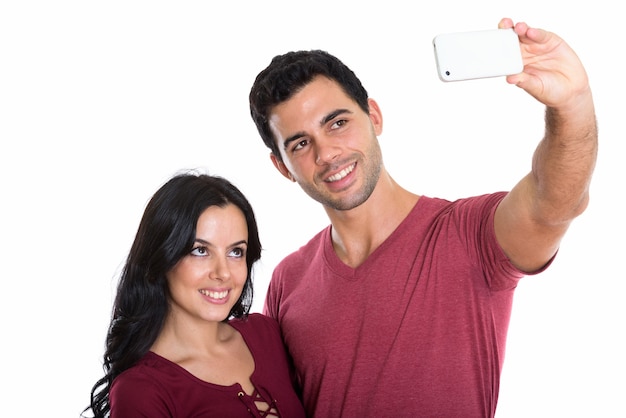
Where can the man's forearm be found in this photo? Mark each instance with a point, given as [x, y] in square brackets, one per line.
[564, 161]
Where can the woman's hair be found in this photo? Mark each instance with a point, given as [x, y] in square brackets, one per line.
[166, 234]
[286, 75]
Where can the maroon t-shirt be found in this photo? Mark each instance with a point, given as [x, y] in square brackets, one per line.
[417, 330]
[156, 387]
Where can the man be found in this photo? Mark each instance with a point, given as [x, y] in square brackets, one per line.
[401, 306]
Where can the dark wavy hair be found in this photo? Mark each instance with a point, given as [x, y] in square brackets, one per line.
[289, 73]
[166, 234]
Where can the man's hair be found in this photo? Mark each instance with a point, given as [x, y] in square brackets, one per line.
[286, 75]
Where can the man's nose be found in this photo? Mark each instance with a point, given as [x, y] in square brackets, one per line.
[327, 151]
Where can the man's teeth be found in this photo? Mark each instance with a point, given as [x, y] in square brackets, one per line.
[341, 174]
[215, 295]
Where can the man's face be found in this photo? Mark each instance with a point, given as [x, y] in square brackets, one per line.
[329, 146]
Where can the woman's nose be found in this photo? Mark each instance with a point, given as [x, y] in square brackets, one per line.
[220, 270]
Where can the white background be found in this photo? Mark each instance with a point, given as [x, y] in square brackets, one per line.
[101, 102]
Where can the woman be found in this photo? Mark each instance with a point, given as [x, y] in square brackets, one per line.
[181, 342]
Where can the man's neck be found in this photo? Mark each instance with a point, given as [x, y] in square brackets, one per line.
[358, 232]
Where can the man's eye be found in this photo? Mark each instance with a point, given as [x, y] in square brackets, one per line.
[339, 123]
[300, 145]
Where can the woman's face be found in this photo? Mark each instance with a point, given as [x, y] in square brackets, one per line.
[206, 283]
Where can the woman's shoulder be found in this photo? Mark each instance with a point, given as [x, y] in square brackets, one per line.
[152, 387]
[140, 384]
[254, 320]
[144, 371]
[257, 327]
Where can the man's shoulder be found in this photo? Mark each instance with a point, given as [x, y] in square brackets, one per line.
[309, 250]
[436, 203]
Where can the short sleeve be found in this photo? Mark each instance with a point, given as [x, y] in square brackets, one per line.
[135, 394]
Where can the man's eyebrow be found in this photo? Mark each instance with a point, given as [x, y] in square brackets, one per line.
[332, 115]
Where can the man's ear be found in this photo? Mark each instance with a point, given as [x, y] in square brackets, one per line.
[281, 167]
[376, 116]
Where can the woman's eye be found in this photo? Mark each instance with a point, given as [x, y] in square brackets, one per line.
[199, 251]
[238, 252]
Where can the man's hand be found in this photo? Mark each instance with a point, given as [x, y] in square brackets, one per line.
[553, 73]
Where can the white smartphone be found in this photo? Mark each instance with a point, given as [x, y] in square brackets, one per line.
[477, 54]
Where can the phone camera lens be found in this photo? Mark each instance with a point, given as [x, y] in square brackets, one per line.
[447, 72]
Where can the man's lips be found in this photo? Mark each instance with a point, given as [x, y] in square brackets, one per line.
[340, 175]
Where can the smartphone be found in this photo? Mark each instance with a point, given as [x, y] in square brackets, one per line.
[477, 54]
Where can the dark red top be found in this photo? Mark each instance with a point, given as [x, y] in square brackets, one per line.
[156, 387]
